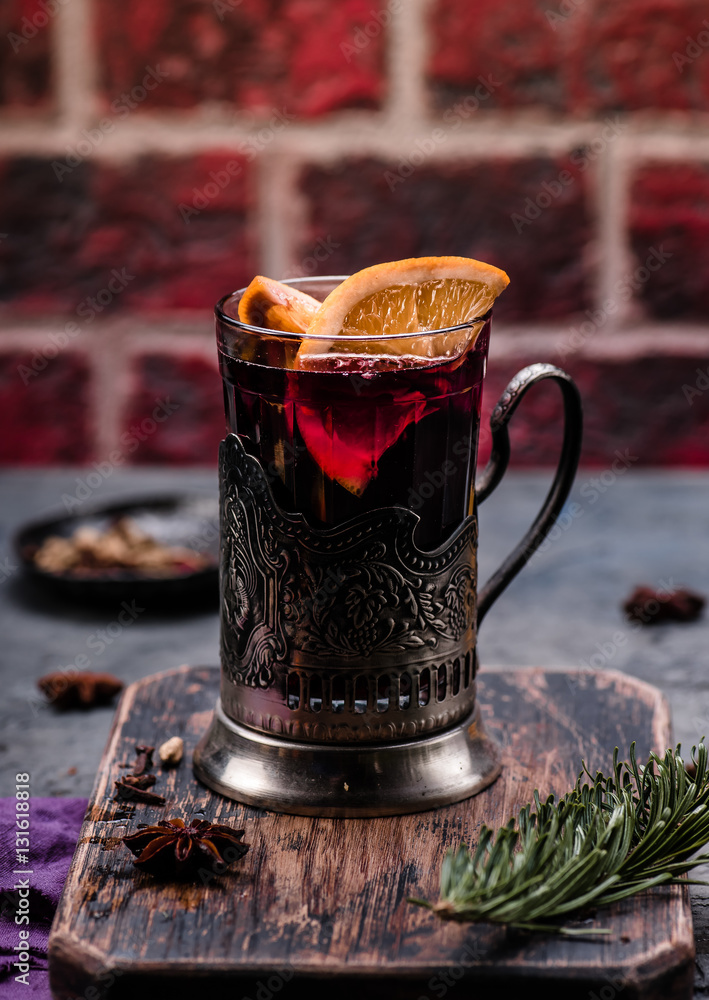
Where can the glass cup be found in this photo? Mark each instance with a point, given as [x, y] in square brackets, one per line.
[358, 426]
[349, 604]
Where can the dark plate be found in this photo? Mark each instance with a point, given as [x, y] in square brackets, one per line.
[189, 520]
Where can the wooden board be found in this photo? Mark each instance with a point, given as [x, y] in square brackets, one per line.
[322, 903]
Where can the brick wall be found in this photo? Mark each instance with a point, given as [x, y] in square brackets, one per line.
[155, 155]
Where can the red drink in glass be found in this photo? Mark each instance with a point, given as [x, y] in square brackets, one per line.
[345, 432]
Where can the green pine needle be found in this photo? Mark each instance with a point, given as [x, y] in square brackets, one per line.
[601, 842]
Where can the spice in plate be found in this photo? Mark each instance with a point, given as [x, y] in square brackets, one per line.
[90, 552]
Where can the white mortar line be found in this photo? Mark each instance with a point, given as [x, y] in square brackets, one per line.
[139, 339]
[613, 253]
[407, 56]
[108, 368]
[537, 343]
[279, 213]
[116, 372]
[28, 335]
[675, 143]
[487, 135]
[134, 335]
[75, 65]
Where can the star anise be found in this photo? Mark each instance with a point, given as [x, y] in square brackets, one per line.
[651, 607]
[80, 689]
[172, 847]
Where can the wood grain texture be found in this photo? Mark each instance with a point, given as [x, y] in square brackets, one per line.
[322, 903]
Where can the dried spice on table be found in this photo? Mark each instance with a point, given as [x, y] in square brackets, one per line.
[144, 759]
[171, 751]
[652, 607]
[173, 848]
[126, 792]
[142, 781]
[82, 689]
[134, 787]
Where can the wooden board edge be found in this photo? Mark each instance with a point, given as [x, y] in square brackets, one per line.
[668, 979]
[674, 961]
[72, 960]
[60, 944]
[77, 961]
[78, 970]
[651, 695]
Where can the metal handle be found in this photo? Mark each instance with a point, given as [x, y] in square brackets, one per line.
[495, 470]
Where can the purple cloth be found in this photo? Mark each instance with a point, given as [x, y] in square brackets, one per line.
[53, 832]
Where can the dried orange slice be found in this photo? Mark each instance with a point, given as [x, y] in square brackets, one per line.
[414, 296]
[274, 306]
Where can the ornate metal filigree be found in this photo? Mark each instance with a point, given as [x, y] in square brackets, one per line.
[360, 597]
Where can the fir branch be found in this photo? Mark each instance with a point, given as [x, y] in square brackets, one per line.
[609, 838]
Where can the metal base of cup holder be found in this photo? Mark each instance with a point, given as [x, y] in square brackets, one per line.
[319, 779]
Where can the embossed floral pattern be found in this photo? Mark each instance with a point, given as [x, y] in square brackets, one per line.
[361, 594]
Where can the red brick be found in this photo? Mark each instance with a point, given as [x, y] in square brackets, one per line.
[630, 53]
[601, 56]
[44, 408]
[25, 68]
[670, 213]
[307, 56]
[187, 392]
[513, 41]
[648, 406]
[65, 238]
[370, 212]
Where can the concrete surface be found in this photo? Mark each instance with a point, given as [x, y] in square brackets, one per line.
[618, 530]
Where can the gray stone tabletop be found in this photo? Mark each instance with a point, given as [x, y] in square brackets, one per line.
[618, 530]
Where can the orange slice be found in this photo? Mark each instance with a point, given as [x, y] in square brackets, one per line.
[386, 301]
[413, 296]
[274, 306]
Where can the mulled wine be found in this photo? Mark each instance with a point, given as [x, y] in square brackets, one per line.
[349, 432]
